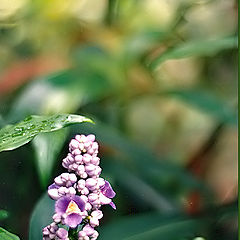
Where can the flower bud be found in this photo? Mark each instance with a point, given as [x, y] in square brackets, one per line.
[76, 152]
[91, 138]
[87, 158]
[72, 177]
[62, 233]
[58, 180]
[74, 144]
[53, 193]
[56, 218]
[95, 160]
[79, 159]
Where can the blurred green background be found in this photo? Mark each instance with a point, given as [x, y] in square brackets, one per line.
[159, 78]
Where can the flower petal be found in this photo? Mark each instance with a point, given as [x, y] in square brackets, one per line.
[104, 200]
[79, 201]
[107, 190]
[72, 220]
[53, 186]
[62, 204]
[112, 204]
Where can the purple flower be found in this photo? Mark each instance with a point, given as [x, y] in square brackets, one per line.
[108, 192]
[55, 191]
[103, 196]
[70, 208]
[49, 232]
[88, 232]
[96, 215]
[79, 193]
[66, 179]
[62, 234]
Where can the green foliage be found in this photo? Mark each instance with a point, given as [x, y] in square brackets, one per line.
[3, 214]
[196, 49]
[14, 136]
[5, 235]
[47, 147]
[152, 226]
[107, 68]
[207, 103]
[41, 217]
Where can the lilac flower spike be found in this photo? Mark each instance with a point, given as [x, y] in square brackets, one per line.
[79, 193]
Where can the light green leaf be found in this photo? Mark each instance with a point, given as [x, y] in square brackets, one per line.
[5, 235]
[14, 136]
[151, 226]
[41, 217]
[47, 146]
[3, 214]
[207, 103]
[196, 48]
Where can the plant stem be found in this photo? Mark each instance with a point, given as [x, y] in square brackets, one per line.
[73, 233]
[111, 12]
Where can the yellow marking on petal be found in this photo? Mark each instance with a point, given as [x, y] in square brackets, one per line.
[72, 208]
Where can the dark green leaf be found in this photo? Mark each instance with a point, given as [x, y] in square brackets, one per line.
[41, 217]
[79, 82]
[141, 189]
[14, 136]
[152, 226]
[47, 146]
[5, 235]
[206, 102]
[3, 214]
[194, 49]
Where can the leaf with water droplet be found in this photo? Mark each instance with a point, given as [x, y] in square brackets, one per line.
[14, 136]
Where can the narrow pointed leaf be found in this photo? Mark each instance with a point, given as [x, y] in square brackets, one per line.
[195, 49]
[207, 103]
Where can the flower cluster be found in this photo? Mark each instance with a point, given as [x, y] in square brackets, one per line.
[79, 193]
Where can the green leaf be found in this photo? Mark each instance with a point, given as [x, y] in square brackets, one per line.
[14, 136]
[196, 48]
[207, 103]
[47, 146]
[3, 214]
[139, 43]
[5, 235]
[151, 226]
[141, 189]
[79, 81]
[41, 217]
